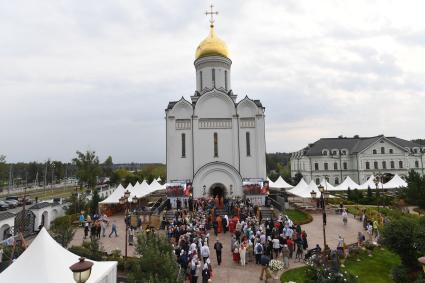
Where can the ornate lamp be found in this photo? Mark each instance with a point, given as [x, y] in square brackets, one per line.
[126, 194]
[321, 188]
[135, 199]
[313, 194]
[81, 270]
[122, 200]
[422, 262]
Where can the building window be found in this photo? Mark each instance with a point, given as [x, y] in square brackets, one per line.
[213, 76]
[200, 80]
[316, 166]
[248, 144]
[336, 181]
[417, 164]
[400, 164]
[317, 181]
[382, 150]
[225, 79]
[392, 164]
[345, 165]
[391, 151]
[343, 152]
[215, 145]
[326, 165]
[335, 166]
[375, 165]
[367, 165]
[384, 165]
[374, 151]
[183, 145]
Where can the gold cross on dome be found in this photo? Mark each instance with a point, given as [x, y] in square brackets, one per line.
[211, 13]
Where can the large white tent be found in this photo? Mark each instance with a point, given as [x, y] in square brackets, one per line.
[301, 184]
[115, 196]
[45, 261]
[370, 183]
[155, 186]
[305, 191]
[348, 183]
[271, 183]
[327, 186]
[395, 182]
[280, 184]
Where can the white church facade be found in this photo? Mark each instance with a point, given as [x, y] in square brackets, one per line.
[215, 141]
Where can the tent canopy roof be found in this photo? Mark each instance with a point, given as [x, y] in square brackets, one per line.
[45, 261]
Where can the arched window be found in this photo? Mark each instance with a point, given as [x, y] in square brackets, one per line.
[335, 166]
[382, 150]
[400, 164]
[367, 165]
[248, 144]
[215, 145]
[225, 79]
[183, 145]
[336, 181]
[374, 151]
[200, 80]
[213, 77]
[417, 163]
[392, 165]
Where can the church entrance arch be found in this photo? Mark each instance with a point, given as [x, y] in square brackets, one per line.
[218, 190]
[217, 178]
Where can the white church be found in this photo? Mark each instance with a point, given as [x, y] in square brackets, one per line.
[215, 142]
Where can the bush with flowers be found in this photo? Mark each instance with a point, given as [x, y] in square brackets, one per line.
[276, 265]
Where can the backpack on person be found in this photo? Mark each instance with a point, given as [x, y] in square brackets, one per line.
[259, 249]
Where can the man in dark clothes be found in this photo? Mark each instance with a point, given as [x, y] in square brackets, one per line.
[265, 260]
[218, 246]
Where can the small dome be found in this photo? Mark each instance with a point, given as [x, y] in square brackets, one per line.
[212, 45]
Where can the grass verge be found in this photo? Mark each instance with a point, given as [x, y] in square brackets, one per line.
[298, 216]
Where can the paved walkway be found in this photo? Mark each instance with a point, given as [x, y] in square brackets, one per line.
[230, 272]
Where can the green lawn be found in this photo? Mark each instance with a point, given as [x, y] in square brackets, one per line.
[374, 269]
[298, 216]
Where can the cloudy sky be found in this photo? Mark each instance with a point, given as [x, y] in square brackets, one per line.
[84, 74]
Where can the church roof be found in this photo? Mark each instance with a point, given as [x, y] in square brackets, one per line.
[353, 145]
[212, 45]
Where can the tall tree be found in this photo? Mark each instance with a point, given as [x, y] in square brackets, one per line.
[88, 168]
[107, 167]
[415, 191]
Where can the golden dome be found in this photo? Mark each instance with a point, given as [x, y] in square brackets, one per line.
[212, 45]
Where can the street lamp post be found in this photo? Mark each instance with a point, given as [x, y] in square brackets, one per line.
[81, 270]
[124, 201]
[323, 196]
[376, 181]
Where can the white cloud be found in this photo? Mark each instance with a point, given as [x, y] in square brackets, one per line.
[78, 74]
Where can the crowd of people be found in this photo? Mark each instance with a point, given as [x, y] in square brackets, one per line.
[253, 239]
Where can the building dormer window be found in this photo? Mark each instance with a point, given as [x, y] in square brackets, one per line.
[374, 151]
[334, 152]
[325, 152]
[391, 151]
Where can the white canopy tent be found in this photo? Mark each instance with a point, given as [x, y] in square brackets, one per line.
[45, 261]
[327, 186]
[115, 196]
[280, 184]
[305, 191]
[271, 183]
[155, 186]
[370, 182]
[301, 184]
[395, 182]
[348, 183]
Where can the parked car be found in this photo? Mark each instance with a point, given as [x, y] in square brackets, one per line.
[27, 201]
[12, 203]
[3, 205]
[12, 198]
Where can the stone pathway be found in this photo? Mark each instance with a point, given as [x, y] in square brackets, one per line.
[230, 272]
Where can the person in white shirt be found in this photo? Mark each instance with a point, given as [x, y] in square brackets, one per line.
[205, 252]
